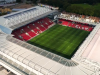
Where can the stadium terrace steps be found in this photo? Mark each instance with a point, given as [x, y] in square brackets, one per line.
[31, 30]
[26, 29]
[45, 25]
[69, 23]
[25, 37]
[65, 23]
[48, 21]
[32, 34]
[37, 24]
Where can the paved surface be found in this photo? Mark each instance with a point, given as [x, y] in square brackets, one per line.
[3, 71]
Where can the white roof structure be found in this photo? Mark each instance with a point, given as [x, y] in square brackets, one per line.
[93, 49]
[24, 17]
[32, 60]
[88, 53]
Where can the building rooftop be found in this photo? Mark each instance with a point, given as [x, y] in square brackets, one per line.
[20, 18]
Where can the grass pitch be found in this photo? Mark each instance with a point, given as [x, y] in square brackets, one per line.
[60, 40]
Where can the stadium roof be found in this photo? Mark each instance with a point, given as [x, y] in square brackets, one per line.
[24, 17]
[92, 51]
[39, 59]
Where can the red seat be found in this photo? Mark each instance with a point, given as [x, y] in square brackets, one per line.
[16, 36]
[78, 25]
[90, 28]
[25, 37]
[37, 27]
[65, 23]
[34, 28]
[32, 34]
[70, 24]
[26, 29]
[73, 25]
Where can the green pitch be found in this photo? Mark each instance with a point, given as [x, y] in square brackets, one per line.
[60, 40]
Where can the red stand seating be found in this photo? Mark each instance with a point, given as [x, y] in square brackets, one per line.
[38, 24]
[90, 29]
[33, 27]
[73, 25]
[78, 25]
[32, 34]
[25, 37]
[31, 30]
[65, 23]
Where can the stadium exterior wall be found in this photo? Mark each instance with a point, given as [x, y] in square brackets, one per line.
[5, 30]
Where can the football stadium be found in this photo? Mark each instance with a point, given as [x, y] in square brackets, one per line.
[58, 40]
[43, 41]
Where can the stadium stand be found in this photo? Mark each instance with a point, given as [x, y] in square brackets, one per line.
[74, 24]
[79, 18]
[31, 30]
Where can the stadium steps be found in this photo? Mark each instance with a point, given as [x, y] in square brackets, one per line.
[25, 37]
[47, 20]
[32, 34]
[43, 26]
[66, 23]
[16, 36]
[90, 28]
[26, 33]
[26, 29]
[70, 24]
[77, 25]
[33, 28]
[36, 24]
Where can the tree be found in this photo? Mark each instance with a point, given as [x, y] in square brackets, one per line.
[65, 5]
[18, 1]
[97, 12]
[34, 1]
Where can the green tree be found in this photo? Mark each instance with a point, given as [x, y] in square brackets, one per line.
[18, 1]
[97, 12]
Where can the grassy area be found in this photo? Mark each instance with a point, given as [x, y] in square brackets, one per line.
[60, 40]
